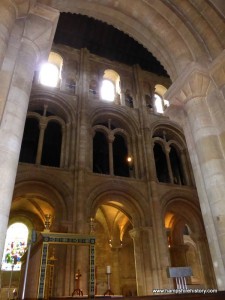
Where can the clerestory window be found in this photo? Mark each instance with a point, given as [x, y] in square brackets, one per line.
[107, 90]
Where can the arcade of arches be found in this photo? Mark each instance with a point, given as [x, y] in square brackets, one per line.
[143, 173]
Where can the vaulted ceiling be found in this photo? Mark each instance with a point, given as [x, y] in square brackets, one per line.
[176, 32]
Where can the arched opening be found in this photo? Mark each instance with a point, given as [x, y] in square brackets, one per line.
[114, 248]
[110, 88]
[176, 166]
[15, 246]
[51, 151]
[100, 153]
[107, 90]
[184, 231]
[50, 72]
[29, 146]
[161, 164]
[120, 155]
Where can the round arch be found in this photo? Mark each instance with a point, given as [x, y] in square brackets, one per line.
[121, 119]
[46, 194]
[56, 104]
[159, 20]
[122, 196]
[185, 205]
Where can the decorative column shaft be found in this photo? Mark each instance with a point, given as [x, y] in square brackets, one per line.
[111, 164]
[167, 152]
[147, 272]
[139, 262]
[42, 127]
[208, 162]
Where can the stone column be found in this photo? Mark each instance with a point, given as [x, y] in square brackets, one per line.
[139, 262]
[190, 93]
[178, 255]
[111, 166]
[12, 125]
[205, 260]
[167, 152]
[79, 210]
[42, 127]
[186, 172]
[147, 271]
[9, 12]
[115, 277]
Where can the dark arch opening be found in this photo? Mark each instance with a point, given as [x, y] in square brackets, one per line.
[51, 150]
[100, 154]
[161, 164]
[120, 155]
[29, 146]
[176, 166]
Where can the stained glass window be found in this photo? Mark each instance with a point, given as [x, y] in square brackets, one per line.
[15, 246]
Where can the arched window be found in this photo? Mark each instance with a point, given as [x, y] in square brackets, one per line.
[100, 154]
[15, 246]
[50, 72]
[176, 166]
[107, 90]
[161, 164]
[110, 151]
[49, 75]
[30, 141]
[120, 155]
[158, 103]
[110, 88]
[51, 151]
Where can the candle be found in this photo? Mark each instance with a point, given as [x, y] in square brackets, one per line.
[108, 269]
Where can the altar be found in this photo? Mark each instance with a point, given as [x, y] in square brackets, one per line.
[41, 272]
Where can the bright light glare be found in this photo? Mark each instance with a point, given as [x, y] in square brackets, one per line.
[158, 104]
[49, 75]
[107, 90]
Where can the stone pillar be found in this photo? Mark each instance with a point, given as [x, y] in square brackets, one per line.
[13, 120]
[9, 12]
[42, 127]
[167, 153]
[115, 277]
[205, 260]
[147, 270]
[7, 20]
[79, 211]
[178, 255]
[139, 262]
[186, 172]
[190, 93]
[111, 166]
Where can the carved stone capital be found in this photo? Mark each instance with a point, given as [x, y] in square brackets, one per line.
[40, 28]
[194, 83]
[134, 233]
[22, 7]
